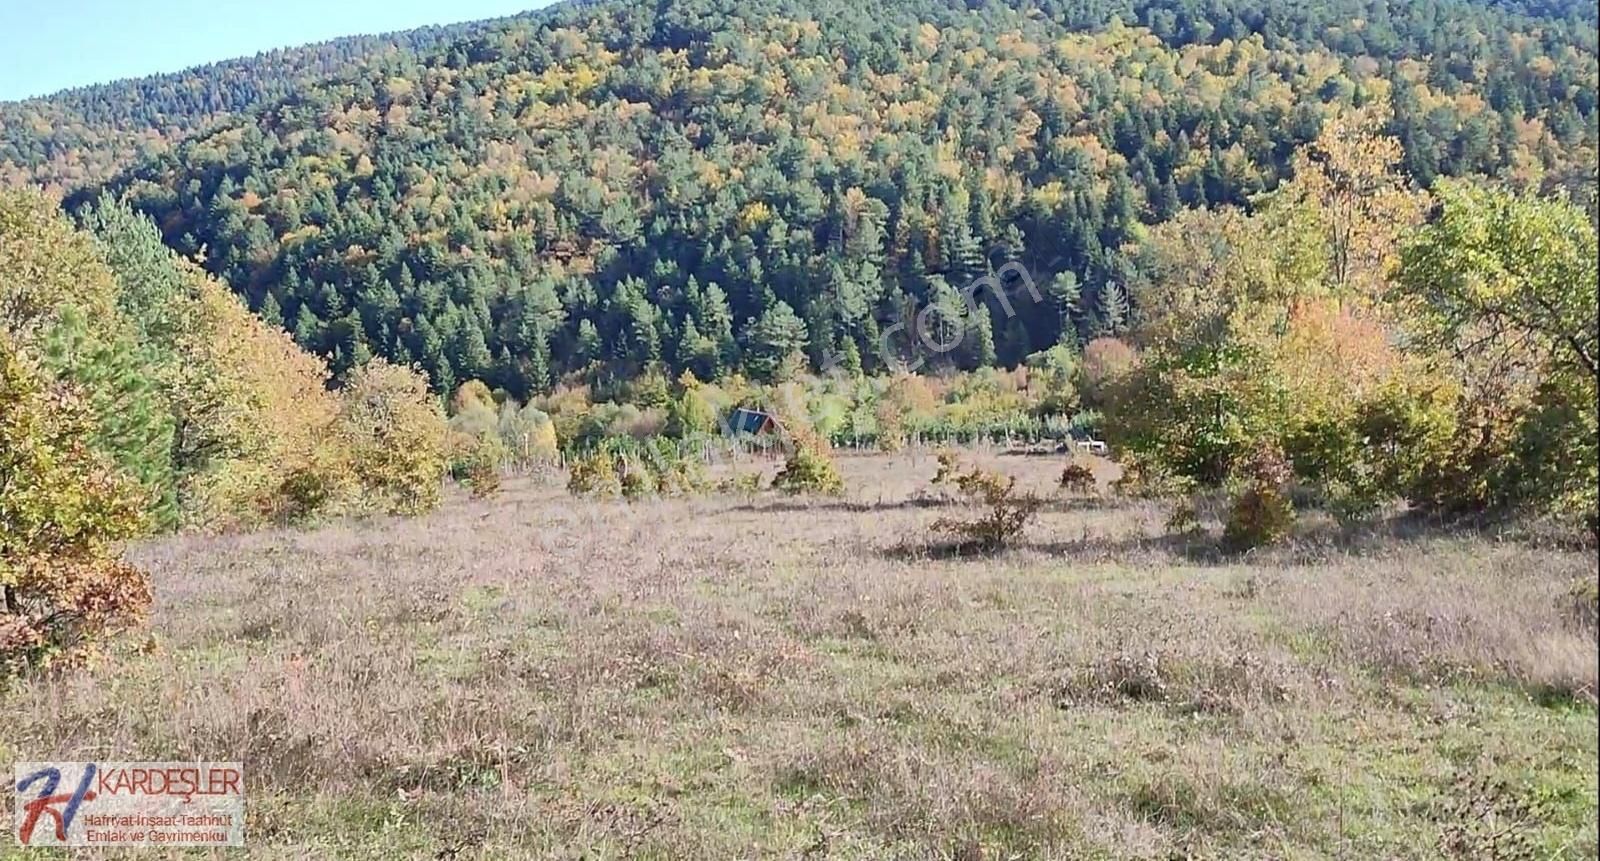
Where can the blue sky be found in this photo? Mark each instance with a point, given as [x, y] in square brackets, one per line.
[49, 45]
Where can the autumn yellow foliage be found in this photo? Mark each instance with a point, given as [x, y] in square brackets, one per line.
[64, 509]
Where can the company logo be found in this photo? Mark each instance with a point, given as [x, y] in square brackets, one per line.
[129, 804]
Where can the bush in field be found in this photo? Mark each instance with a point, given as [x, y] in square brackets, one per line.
[1145, 478]
[528, 433]
[679, 475]
[252, 409]
[1261, 513]
[394, 436]
[741, 483]
[690, 413]
[594, 474]
[310, 490]
[810, 467]
[476, 448]
[1053, 374]
[1077, 477]
[1453, 365]
[890, 421]
[64, 508]
[476, 461]
[637, 480]
[1006, 511]
[949, 466]
[1267, 328]
[906, 400]
[472, 394]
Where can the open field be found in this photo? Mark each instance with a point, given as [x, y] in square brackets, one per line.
[539, 676]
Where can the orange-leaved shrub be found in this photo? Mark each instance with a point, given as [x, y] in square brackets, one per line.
[64, 509]
[1262, 512]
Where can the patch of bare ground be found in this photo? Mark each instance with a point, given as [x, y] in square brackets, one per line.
[732, 677]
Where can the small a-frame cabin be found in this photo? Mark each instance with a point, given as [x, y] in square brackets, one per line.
[753, 422]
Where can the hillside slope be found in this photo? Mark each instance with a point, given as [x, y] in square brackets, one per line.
[712, 186]
[87, 134]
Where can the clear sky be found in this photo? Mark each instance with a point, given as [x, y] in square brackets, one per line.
[49, 45]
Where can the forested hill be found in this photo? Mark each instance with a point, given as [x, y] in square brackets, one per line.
[714, 186]
[87, 134]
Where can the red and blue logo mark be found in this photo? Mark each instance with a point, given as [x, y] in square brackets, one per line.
[105, 804]
[48, 780]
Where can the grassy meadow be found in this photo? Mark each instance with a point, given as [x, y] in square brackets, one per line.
[756, 676]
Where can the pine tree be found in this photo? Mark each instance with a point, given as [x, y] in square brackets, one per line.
[308, 330]
[771, 340]
[537, 372]
[149, 284]
[850, 358]
[1112, 309]
[588, 345]
[271, 312]
[979, 343]
[132, 423]
[1065, 297]
[470, 350]
[1014, 343]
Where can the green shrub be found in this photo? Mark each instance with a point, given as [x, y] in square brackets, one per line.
[481, 472]
[690, 414]
[682, 476]
[1143, 478]
[309, 490]
[528, 433]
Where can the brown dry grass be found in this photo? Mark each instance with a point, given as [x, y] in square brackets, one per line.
[538, 676]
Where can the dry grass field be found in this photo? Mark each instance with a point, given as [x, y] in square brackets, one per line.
[762, 677]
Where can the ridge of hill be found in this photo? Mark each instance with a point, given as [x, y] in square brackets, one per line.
[87, 134]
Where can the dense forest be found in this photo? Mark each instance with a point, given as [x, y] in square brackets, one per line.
[714, 187]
